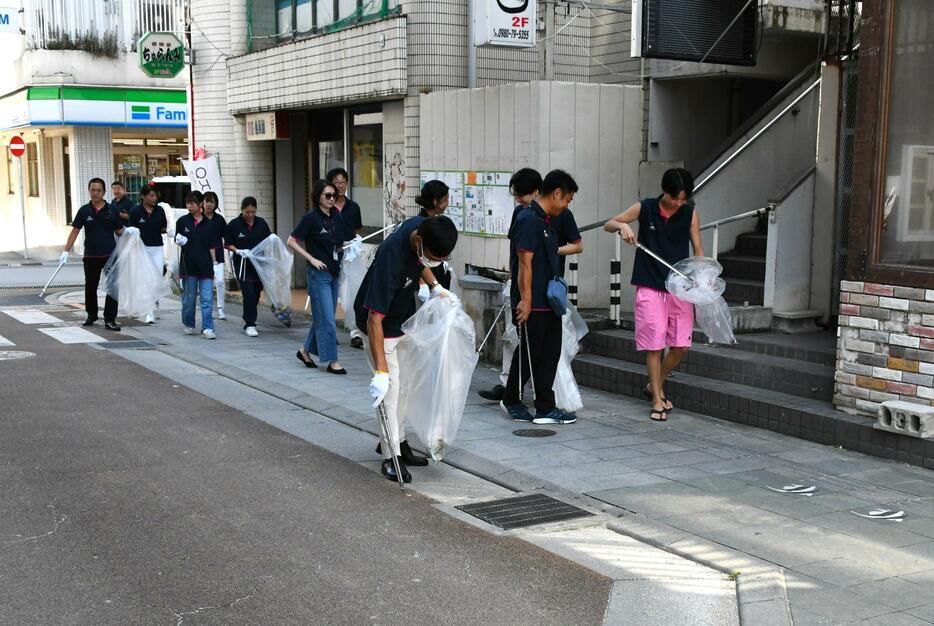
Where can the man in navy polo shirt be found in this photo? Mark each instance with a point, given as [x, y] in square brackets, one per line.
[385, 300]
[533, 263]
[353, 224]
[100, 223]
[121, 204]
[151, 221]
[198, 237]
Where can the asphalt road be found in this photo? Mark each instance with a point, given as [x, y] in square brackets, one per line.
[130, 500]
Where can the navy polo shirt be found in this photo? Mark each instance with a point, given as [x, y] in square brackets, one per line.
[242, 236]
[220, 226]
[150, 225]
[124, 205]
[391, 283]
[196, 254]
[565, 227]
[533, 233]
[353, 220]
[323, 236]
[99, 227]
[669, 239]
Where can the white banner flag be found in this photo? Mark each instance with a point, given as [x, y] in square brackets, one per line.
[205, 176]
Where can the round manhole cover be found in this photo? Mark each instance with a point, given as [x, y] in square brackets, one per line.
[12, 355]
[533, 432]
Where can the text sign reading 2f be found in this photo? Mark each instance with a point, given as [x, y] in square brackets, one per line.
[509, 23]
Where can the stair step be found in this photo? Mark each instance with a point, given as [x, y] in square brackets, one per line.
[741, 291]
[753, 244]
[772, 410]
[739, 266]
[763, 371]
[819, 347]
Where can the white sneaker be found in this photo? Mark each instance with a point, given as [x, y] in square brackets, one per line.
[250, 331]
[150, 318]
[221, 315]
[190, 331]
[207, 333]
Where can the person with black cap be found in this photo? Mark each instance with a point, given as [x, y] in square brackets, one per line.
[100, 223]
[385, 301]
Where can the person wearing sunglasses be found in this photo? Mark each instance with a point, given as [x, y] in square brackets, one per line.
[387, 299]
[319, 238]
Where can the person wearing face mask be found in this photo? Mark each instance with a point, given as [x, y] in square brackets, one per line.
[433, 200]
[212, 213]
[319, 238]
[385, 301]
[533, 261]
[100, 223]
[152, 223]
[243, 233]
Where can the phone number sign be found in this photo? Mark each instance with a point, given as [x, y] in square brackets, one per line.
[508, 23]
[161, 55]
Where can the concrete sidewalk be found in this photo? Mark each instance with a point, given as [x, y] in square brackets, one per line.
[847, 537]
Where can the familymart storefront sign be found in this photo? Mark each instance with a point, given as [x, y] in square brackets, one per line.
[94, 106]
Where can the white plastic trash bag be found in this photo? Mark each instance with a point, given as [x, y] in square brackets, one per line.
[272, 261]
[715, 320]
[357, 260]
[172, 281]
[132, 279]
[437, 358]
[704, 284]
[567, 393]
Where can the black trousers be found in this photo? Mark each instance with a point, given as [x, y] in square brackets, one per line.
[92, 278]
[544, 333]
[250, 291]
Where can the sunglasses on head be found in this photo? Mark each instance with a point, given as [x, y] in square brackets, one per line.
[329, 196]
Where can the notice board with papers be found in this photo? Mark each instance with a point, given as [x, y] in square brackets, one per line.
[479, 203]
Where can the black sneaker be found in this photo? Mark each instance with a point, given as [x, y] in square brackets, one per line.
[554, 416]
[356, 342]
[518, 412]
[388, 470]
[112, 326]
[90, 321]
[495, 394]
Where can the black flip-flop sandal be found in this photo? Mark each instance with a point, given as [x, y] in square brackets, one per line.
[648, 396]
[661, 412]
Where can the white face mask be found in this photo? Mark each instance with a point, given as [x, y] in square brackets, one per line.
[425, 260]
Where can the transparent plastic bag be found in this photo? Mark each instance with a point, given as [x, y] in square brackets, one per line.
[131, 278]
[171, 269]
[715, 320]
[273, 261]
[437, 358]
[704, 285]
[356, 261]
[567, 393]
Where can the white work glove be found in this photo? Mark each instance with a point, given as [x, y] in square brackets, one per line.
[131, 230]
[181, 239]
[64, 258]
[379, 387]
[245, 254]
[423, 293]
[353, 249]
[440, 292]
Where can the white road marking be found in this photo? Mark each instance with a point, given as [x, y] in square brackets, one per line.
[72, 334]
[32, 316]
[5, 342]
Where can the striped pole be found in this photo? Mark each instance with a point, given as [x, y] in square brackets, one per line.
[615, 290]
[572, 284]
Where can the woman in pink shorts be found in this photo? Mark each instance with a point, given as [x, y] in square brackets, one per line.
[668, 224]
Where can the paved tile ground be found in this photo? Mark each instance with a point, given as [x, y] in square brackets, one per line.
[721, 481]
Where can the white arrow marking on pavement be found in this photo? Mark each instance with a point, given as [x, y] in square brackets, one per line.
[72, 334]
[800, 490]
[32, 316]
[5, 342]
[883, 514]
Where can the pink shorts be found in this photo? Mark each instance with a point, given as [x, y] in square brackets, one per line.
[662, 320]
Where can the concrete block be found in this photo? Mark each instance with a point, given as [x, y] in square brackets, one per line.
[922, 380]
[876, 313]
[875, 336]
[906, 418]
[923, 368]
[905, 341]
[887, 374]
[795, 321]
[899, 304]
[856, 368]
[925, 308]
[883, 396]
[860, 346]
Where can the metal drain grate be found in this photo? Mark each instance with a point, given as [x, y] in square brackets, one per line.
[523, 511]
[127, 345]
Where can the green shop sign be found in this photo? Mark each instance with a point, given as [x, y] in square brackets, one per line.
[161, 55]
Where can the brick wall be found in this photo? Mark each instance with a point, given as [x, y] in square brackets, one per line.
[885, 346]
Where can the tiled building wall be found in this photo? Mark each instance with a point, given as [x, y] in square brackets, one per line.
[885, 346]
